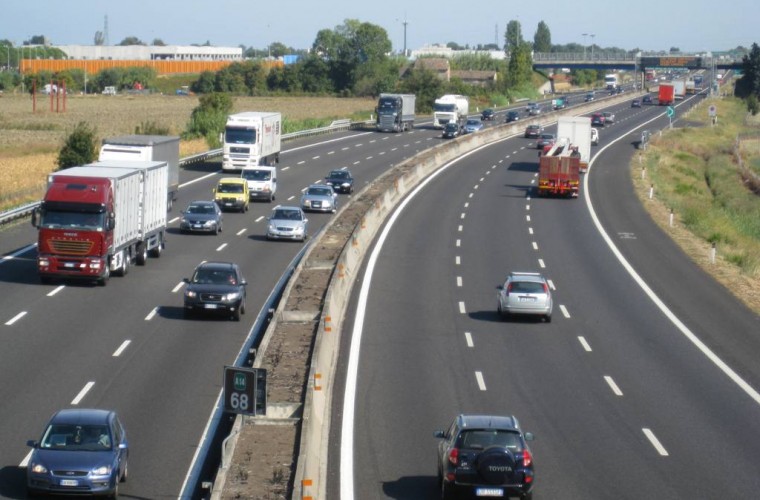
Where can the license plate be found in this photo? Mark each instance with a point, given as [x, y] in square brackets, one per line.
[68, 264]
[197, 226]
[527, 299]
[228, 204]
[69, 482]
[209, 306]
[489, 492]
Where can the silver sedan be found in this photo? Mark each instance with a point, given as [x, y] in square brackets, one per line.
[287, 223]
[319, 198]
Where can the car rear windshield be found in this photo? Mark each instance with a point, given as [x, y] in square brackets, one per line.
[482, 439]
[526, 287]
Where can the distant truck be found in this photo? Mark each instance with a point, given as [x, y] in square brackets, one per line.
[395, 112]
[679, 89]
[691, 87]
[698, 81]
[611, 81]
[559, 103]
[98, 219]
[450, 108]
[147, 148]
[577, 131]
[666, 95]
[251, 139]
[559, 171]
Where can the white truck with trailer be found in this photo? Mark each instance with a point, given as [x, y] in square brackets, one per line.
[147, 148]
[251, 139]
[577, 131]
[679, 89]
[450, 108]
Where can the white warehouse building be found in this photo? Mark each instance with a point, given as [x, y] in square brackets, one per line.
[152, 52]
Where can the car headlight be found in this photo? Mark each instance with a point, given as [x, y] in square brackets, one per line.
[272, 227]
[183, 221]
[209, 223]
[232, 296]
[103, 470]
[39, 469]
[346, 184]
[190, 294]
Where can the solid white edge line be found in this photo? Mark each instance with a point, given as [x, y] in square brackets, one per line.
[7, 258]
[468, 339]
[121, 348]
[349, 398]
[613, 385]
[82, 393]
[56, 290]
[585, 344]
[744, 385]
[15, 318]
[481, 381]
[655, 442]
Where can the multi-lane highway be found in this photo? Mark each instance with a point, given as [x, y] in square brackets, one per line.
[643, 386]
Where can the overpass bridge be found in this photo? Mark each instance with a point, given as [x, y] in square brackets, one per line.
[632, 62]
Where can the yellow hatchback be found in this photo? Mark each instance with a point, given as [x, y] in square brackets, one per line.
[231, 193]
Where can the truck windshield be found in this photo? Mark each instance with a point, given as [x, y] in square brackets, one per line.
[387, 103]
[444, 107]
[235, 135]
[59, 219]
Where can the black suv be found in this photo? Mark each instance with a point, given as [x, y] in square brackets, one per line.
[488, 114]
[482, 455]
[512, 116]
[216, 287]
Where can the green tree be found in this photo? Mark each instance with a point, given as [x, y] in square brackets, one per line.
[80, 147]
[157, 42]
[752, 104]
[520, 67]
[209, 117]
[542, 40]
[749, 83]
[131, 40]
[513, 37]
[37, 40]
[99, 38]
[204, 84]
[315, 75]
[425, 85]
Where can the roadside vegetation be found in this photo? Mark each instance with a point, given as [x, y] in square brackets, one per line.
[695, 172]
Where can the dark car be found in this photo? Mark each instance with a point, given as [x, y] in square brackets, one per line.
[201, 216]
[512, 116]
[597, 119]
[485, 456]
[341, 181]
[473, 125]
[545, 140]
[533, 130]
[81, 451]
[451, 130]
[636, 103]
[487, 114]
[589, 97]
[216, 287]
[647, 99]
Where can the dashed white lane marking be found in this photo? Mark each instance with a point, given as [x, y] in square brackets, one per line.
[471, 195]
[463, 215]
[655, 442]
[291, 198]
[527, 207]
[585, 344]
[242, 230]
[178, 287]
[121, 348]
[344, 149]
[565, 313]
[475, 187]
[458, 260]
[613, 385]
[259, 218]
[330, 153]
[466, 204]
[551, 284]
[174, 220]
[315, 157]
[301, 162]
[56, 290]
[482, 179]
[221, 247]
[368, 158]
[527, 218]
[514, 152]
[151, 314]
[359, 145]
[82, 393]
[533, 181]
[15, 318]
[25, 462]
[481, 382]
[394, 149]
[468, 339]
[357, 162]
[459, 228]
[527, 197]
[535, 245]
[285, 168]
[459, 281]
[462, 309]
[530, 230]
[541, 263]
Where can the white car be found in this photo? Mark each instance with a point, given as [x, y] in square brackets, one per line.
[525, 293]
[594, 137]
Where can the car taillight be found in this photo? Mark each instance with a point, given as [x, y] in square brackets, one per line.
[546, 288]
[527, 459]
[509, 288]
[454, 456]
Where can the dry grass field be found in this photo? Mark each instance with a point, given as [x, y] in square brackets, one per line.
[29, 141]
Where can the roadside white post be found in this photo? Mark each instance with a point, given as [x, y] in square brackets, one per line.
[712, 254]
[651, 191]
[671, 217]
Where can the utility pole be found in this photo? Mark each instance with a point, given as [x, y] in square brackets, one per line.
[584, 45]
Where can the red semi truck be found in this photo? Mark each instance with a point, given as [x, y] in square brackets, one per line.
[98, 219]
[666, 95]
[559, 171]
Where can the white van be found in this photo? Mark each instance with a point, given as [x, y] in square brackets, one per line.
[262, 182]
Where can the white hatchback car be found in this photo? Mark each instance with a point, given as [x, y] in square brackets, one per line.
[525, 293]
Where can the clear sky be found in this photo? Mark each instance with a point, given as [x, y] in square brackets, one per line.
[690, 25]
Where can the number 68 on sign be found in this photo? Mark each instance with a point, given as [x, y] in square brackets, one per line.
[245, 390]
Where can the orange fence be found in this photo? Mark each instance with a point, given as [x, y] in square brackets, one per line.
[94, 66]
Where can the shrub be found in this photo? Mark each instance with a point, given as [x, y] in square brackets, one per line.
[79, 148]
[151, 128]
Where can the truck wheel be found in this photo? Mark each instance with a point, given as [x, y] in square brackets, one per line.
[156, 252]
[142, 254]
[125, 264]
[103, 280]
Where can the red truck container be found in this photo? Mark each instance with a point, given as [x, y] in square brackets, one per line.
[666, 95]
[100, 218]
[559, 172]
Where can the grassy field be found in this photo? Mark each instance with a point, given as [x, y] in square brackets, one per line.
[30, 141]
[694, 173]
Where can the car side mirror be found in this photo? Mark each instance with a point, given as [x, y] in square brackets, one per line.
[32, 443]
[439, 434]
[244, 283]
[35, 215]
[111, 222]
[529, 436]
[122, 446]
[305, 221]
[186, 280]
[500, 287]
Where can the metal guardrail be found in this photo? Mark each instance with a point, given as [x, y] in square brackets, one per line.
[335, 126]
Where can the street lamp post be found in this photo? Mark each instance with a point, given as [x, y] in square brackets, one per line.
[592, 46]
[584, 45]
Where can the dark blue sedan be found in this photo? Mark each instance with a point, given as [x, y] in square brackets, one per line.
[81, 451]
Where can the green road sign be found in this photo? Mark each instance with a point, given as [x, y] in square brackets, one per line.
[671, 112]
[245, 390]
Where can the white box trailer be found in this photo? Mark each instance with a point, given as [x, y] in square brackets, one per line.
[450, 108]
[679, 89]
[577, 130]
[147, 148]
[251, 139]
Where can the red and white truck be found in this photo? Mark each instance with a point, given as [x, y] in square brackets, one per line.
[559, 171]
[666, 95]
[577, 132]
[98, 219]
